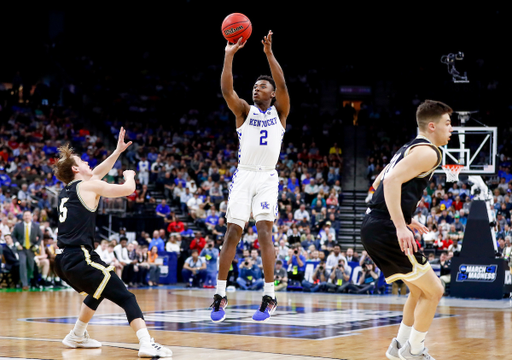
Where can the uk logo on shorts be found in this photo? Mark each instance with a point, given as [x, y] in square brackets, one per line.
[265, 205]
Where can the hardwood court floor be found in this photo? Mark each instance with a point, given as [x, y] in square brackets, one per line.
[305, 326]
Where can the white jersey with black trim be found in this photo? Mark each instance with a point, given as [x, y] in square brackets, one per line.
[260, 138]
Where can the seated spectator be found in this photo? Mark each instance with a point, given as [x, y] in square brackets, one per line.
[293, 235]
[173, 245]
[319, 278]
[280, 277]
[210, 254]
[351, 255]
[249, 237]
[142, 266]
[187, 233]
[220, 229]
[157, 241]
[301, 213]
[194, 270]
[249, 276]
[199, 242]
[193, 205]
[121, 252]
[212, 220]
[154, 267]
[445, 269]
[12, 258]
[185, 196]
[162, 209]
[256, 259]
[334, 258]
[175, 224]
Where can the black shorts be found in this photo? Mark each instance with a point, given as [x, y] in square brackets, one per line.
[84, 270]
[378, 235]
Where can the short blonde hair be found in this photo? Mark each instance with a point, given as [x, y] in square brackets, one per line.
[63, 168]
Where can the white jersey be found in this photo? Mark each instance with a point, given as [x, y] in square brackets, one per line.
[260, 138]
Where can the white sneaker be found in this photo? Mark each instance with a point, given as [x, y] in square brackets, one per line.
[153, 349]
[73, 341]
[392, 353]
[405, 353]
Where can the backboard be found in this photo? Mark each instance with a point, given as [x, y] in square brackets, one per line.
[474, 147]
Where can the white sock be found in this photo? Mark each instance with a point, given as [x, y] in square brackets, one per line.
[80, 327]
[404, 332]
[268, 289]
[143, 336]
[221, 287]
[417, 341]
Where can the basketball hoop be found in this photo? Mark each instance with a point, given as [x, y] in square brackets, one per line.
[452, 172]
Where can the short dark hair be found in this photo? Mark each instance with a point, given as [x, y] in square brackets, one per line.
[267, 78]
[431, 111]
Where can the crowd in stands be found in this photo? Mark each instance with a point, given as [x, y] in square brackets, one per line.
[186, 151]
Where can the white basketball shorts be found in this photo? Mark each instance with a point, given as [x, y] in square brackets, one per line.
[252, 191]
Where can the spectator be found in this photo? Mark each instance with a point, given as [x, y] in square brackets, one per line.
[367, 281]
[340, 278]
[445, 269]
[29, 236]
[157, 241]
[301, 213]
[280, 277]
[163, 209]
[212, 220]
[185, 196]
[194, 270]
[296, 264]
[143, 168]
[220, 229]
[198, 243]
[351, 255]
[175, 225]
[334, 258]
[319, 279]
[249, 276]
[12, 258]
[173, 245]
[154, 268]
[211, 254]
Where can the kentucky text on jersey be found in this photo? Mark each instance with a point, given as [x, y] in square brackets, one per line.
[264, 123]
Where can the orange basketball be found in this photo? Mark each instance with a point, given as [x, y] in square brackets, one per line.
[236, 25]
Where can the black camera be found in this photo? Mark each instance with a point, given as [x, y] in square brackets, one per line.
[246, 263]
[295, 252]
[321, 268]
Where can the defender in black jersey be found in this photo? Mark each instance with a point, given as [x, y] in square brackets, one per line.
[77, 263]
[387, 229]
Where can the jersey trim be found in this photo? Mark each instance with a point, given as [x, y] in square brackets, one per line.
[418, 271]
[439, 155]
[105, 270]
[82, 200]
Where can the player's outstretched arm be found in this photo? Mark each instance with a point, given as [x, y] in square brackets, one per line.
[104, 167]
[419, 160]
[282, 97]
[102, 188]
[238, 106]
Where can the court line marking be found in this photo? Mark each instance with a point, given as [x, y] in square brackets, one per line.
[130, 346]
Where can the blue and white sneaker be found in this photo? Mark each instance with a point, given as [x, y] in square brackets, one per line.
[267, 308]
[219, 304]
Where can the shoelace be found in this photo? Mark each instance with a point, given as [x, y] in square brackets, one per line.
[265, 302]
[217, 300]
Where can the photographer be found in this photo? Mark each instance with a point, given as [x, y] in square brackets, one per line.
[367, 281]
[320, 277]
[340, 278]
[280, 277]
[296, 264]
[249, 277]
[211, 254]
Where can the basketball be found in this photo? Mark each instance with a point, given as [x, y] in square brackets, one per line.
[235, 26]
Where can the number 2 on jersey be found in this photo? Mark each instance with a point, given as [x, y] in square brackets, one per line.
[63, 211]
[263, 137]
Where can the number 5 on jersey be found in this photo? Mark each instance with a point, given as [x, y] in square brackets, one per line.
[63, 211]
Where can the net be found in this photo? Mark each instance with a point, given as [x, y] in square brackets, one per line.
[452, 172]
